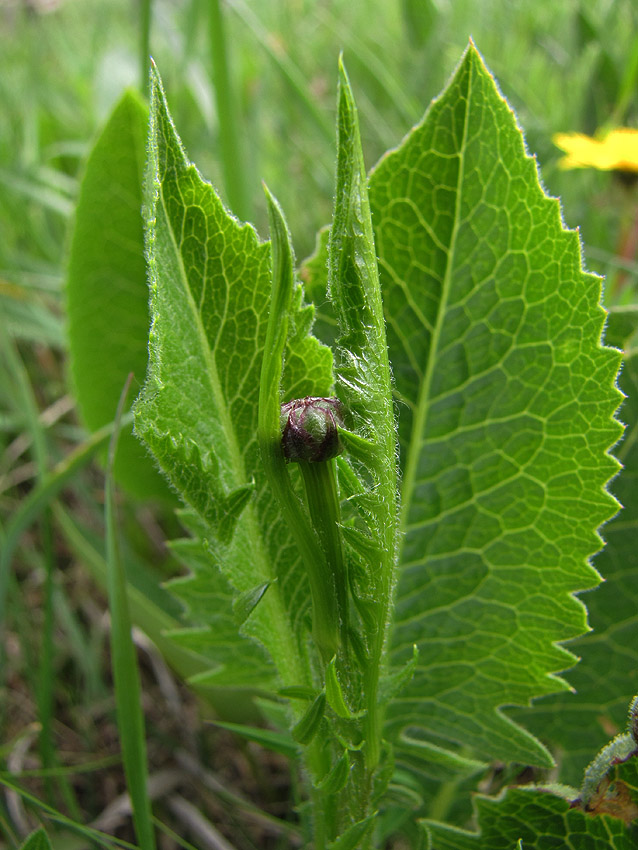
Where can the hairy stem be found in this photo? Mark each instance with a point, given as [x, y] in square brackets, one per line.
[323, 505]
[325, 614]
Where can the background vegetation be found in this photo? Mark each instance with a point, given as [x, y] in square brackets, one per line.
[564, 66]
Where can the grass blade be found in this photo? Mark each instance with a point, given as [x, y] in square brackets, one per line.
[41, 496]
[92, 835]
[232, 161]
[290, 72]
[125, 672]
[145, 613]
[29, 408]
[145, 42]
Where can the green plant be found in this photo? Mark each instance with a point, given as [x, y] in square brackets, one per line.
[387, 605]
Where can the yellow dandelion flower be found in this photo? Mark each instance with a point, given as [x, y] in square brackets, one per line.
[616, 151]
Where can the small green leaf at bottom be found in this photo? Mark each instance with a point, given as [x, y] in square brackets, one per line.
[354, 835]
[308, 726]
[337, 777]
[38, 840]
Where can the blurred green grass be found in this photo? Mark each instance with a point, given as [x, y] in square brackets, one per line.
[564, 65]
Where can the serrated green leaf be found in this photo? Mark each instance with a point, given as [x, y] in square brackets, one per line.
[362, 544]
[38, 840]
[507, 402]
[198, 478]
[608, 672]
[107, 292]
[506, 399]
[235, 659]
[439, 763]
[363, 383]
[402, 792]
[210, 280]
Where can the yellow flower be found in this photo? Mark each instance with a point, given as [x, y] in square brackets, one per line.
[616, 151]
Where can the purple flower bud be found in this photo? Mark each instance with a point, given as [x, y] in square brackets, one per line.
[309, 429]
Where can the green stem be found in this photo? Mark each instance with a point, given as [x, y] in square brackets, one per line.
[325, 513]
[324, 814]
[325, 608]
[325, 612]
[373, 718]
[325, 617]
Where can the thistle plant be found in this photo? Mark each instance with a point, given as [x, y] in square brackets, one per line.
[386, 536]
